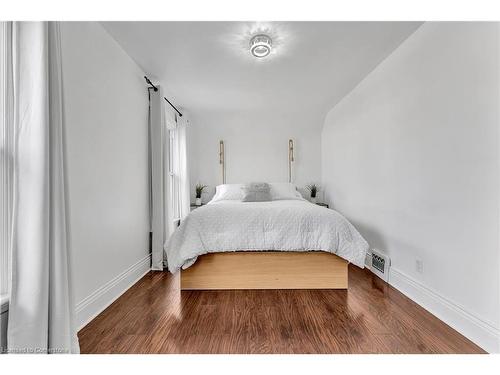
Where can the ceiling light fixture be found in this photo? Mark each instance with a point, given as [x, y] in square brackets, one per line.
[260, 45]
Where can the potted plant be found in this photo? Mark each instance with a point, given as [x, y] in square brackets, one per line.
[313, 190]
[199, 191]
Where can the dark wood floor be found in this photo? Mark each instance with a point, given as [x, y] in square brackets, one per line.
[371, 317]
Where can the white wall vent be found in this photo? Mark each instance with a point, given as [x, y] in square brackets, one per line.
[380, 264]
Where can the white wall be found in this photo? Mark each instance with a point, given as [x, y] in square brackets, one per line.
[256, 146]
[106, 120]
[411, 157]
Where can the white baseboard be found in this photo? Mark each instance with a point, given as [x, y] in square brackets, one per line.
[368, 260]
[474, 328]
[94, 304]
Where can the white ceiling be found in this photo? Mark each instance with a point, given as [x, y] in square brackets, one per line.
[206, 66]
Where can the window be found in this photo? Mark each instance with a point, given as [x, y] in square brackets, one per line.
[173, 171]
[6, 156]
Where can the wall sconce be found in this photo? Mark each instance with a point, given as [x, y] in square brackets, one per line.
[222, 160]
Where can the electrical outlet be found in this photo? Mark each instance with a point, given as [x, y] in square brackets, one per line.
[419, 265]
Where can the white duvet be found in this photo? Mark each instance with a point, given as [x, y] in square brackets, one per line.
[284, 225]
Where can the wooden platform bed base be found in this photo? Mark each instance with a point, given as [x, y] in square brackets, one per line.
[266, 270]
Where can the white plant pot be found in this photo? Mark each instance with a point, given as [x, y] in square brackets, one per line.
[314, 200]
[198, 201]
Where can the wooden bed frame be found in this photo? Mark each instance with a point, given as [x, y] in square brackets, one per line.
[266, 270]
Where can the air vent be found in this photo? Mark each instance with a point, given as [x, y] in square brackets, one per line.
[380, 264]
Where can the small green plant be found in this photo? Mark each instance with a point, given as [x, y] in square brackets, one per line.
[313, 189]
[199, 190]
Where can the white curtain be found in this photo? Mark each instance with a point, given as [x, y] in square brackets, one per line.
[185, 193]
[169, 174]
[169, 124]
[41, 308]
[179, 181]
[6, 156]
[158, 182]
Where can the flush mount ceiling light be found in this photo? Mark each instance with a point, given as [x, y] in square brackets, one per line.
[260, 45]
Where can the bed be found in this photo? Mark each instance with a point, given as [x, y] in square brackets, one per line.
[284, 243]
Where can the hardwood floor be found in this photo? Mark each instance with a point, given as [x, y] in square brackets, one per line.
[371, 317]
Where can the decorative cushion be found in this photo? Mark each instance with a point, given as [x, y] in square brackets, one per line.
[256, 192]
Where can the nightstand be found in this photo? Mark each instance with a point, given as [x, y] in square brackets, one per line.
[323, 205]
[194, 207]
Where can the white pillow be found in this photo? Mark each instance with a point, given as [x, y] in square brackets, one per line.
[234, 192]
[228, 192]
[284, 190]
